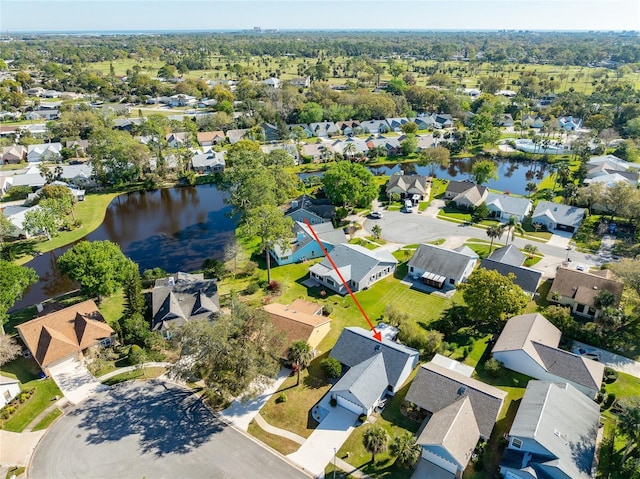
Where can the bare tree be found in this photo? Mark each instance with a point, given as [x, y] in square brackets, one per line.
[9, 349]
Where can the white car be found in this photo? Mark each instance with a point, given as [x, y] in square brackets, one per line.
[376, 215]
[580, 267]
[408, 206]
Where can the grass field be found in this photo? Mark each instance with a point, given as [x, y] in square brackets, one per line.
[281, 444]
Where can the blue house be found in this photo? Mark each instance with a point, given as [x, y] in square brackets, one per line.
[303, 246]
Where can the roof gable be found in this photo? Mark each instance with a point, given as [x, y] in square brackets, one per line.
[365, 382]
[441, 261]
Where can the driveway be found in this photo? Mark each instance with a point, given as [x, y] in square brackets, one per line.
[150, 429]
[75, 381]
[612, 360]
[319, 448]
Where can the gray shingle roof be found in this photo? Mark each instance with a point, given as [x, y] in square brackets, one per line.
[320, 207]
[571, 367]
[564, 422]
[436, 387]
[364, 383]
[303, 236]
[560, 214]
[190, 298]
[454, 428]
[408, 182]
[360, 262]
[510, 205]
[508, 254]
[355, 345]
[441, 261]
[527, 278]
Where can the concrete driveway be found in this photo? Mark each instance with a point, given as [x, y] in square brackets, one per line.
[75, 381]
[612, 360]
[150, 429]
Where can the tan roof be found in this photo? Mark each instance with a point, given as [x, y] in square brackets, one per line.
[455, 429]
[209, 135]
[583, 287]
[57, 335]
[296, 325]
[308, 307]
[520, 331]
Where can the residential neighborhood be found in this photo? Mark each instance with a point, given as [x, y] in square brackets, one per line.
[351, 254]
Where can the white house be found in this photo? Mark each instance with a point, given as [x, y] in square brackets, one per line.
[441, 267]
[9, 388]
[503, 207]
[555, 216]
[569, 123]
[44, 152]
[529, 343]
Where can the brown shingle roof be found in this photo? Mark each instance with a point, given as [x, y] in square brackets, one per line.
[583, 287]
[57, 335]
[209, 136]
[295, 324]
[307, 307]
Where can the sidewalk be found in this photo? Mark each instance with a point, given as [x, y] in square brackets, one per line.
[277, 431]
[242, 410]
[104, 377]
[16, 448]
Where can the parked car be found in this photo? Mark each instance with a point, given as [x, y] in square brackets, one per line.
[612, 228]
[580, 267]
[408, 206]
[376, 215]
[587, 353]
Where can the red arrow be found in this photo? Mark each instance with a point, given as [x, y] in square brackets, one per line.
[376, 334]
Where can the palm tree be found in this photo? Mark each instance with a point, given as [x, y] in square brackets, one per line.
[629, 425]
[300, 355]
[349, 149]
[493, 232]
[375, 440]
[377, 151]
[514, 225]
[405, 449]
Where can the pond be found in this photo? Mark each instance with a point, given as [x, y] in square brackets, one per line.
[173, 229]
[513, 175]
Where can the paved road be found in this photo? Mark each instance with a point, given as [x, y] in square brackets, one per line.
[612, 360]
[150, 429]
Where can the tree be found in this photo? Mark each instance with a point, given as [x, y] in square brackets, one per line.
[376, 231]
[99, 266]
[269, 223]
[629, 424]
[483, 171]
[230, 354]
[9, 348]
[311, 113]
[405, 449]
[513, 225]
[629, 271]
[14, 280]
[134, 301]
[480, 213]
[492, 297]
[434, 157]
[46, 218]
[375, 440]
[493, 232]
[300, 354]
[349, 184]
[409, 128]
[409, 145]
[331, 367]
[6, 228]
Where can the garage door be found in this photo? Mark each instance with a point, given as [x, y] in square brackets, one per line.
[570, 229]
[350, 406]
[440, 461]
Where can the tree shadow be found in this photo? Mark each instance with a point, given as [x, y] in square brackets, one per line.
[166, 418]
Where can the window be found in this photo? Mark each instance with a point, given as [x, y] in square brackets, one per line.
[452, 281]
[411, 269]
[517, 443]
[329, 281]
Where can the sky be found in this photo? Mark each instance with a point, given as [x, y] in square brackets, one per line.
[202, 15]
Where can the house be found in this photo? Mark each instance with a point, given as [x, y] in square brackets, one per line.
[442, 120]
[502, 207]
[466, 194]
[391, 145]
[318, 152]
[210, 138]
[375, 126]
[9, 388]
[569, 123]
[300, 321]
[177, 140]
[423, 122]
[16, 216]
[508, 260]
[360, 268]
[553, 434]
[529, 343]
[324, 129]
[288, 148]
[425, 142]
[304, 246]
[555, 216]
[5, 183]
[531, 121]
[234, 136]
[44, 152]
[610, 171]
[612, 162]
[506, 120]
[349, 127]
[80, 175]
[439, 267]
[301, 82]
[13, 155]
[272, 83]
[182, 100]
[77, 193]
[449, 437]
[208, 162]
[314, 210]
[409, 186]
[31, 177]
[181, 298]
[304, 126]
[436, 386]
[65, 334]
[376, 368]
[580, 289]
[80, 147]
[351, 147]
[395, 124]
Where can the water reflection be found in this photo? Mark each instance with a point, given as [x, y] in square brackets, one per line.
[173, 228]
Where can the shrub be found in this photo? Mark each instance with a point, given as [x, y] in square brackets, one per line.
[281, 398]
[331, 367]
[274, 286]
[362, 418]
[136, 355]
[213, 268]
[493, 367]
[252, 288]
[327, 309]
[250, 268]
[611, 397]
[333, 402]
[610, 375]
[18, 193]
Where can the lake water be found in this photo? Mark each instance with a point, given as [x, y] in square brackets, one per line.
[513, 176]
[173, 229]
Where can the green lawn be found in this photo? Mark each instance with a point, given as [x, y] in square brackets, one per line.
[281, 444]
[137, 374]
[46, 421]
[46, 390]
[112, 307]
